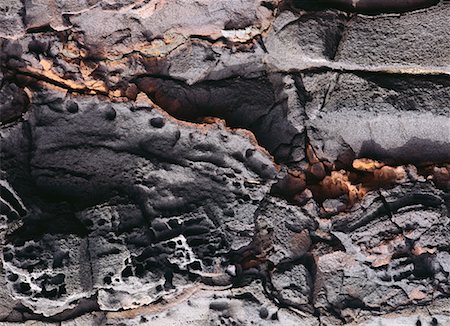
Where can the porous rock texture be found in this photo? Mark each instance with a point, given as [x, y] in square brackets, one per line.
[225, 162]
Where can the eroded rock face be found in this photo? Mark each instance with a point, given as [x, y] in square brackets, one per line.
[237, 163]
[389, 118]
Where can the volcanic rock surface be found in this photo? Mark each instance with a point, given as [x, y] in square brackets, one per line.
[225, 162]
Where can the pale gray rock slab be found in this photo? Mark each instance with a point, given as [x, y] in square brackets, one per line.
[303, 40]
[411, 39]
[392, 121]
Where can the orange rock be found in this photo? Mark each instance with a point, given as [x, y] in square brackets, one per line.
[131, 92]
[385, 176]
[335, 185]
[441, 177]
[317, 170]
[311, 155]
[211, 120]
[292, 184]
[365, 164]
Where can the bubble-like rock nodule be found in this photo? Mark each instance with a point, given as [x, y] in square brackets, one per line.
[225, 163]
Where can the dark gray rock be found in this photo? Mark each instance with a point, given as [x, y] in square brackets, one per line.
[13, 102]
[191, 162]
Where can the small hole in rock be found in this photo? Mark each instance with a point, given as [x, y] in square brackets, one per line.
[127, 272]
[196, 266]
[8, 256]
[274, 316]
[24, 287]
[13, 277]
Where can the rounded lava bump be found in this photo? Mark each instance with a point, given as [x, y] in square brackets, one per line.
[157, 122]
[110, 113]
[72, 107]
